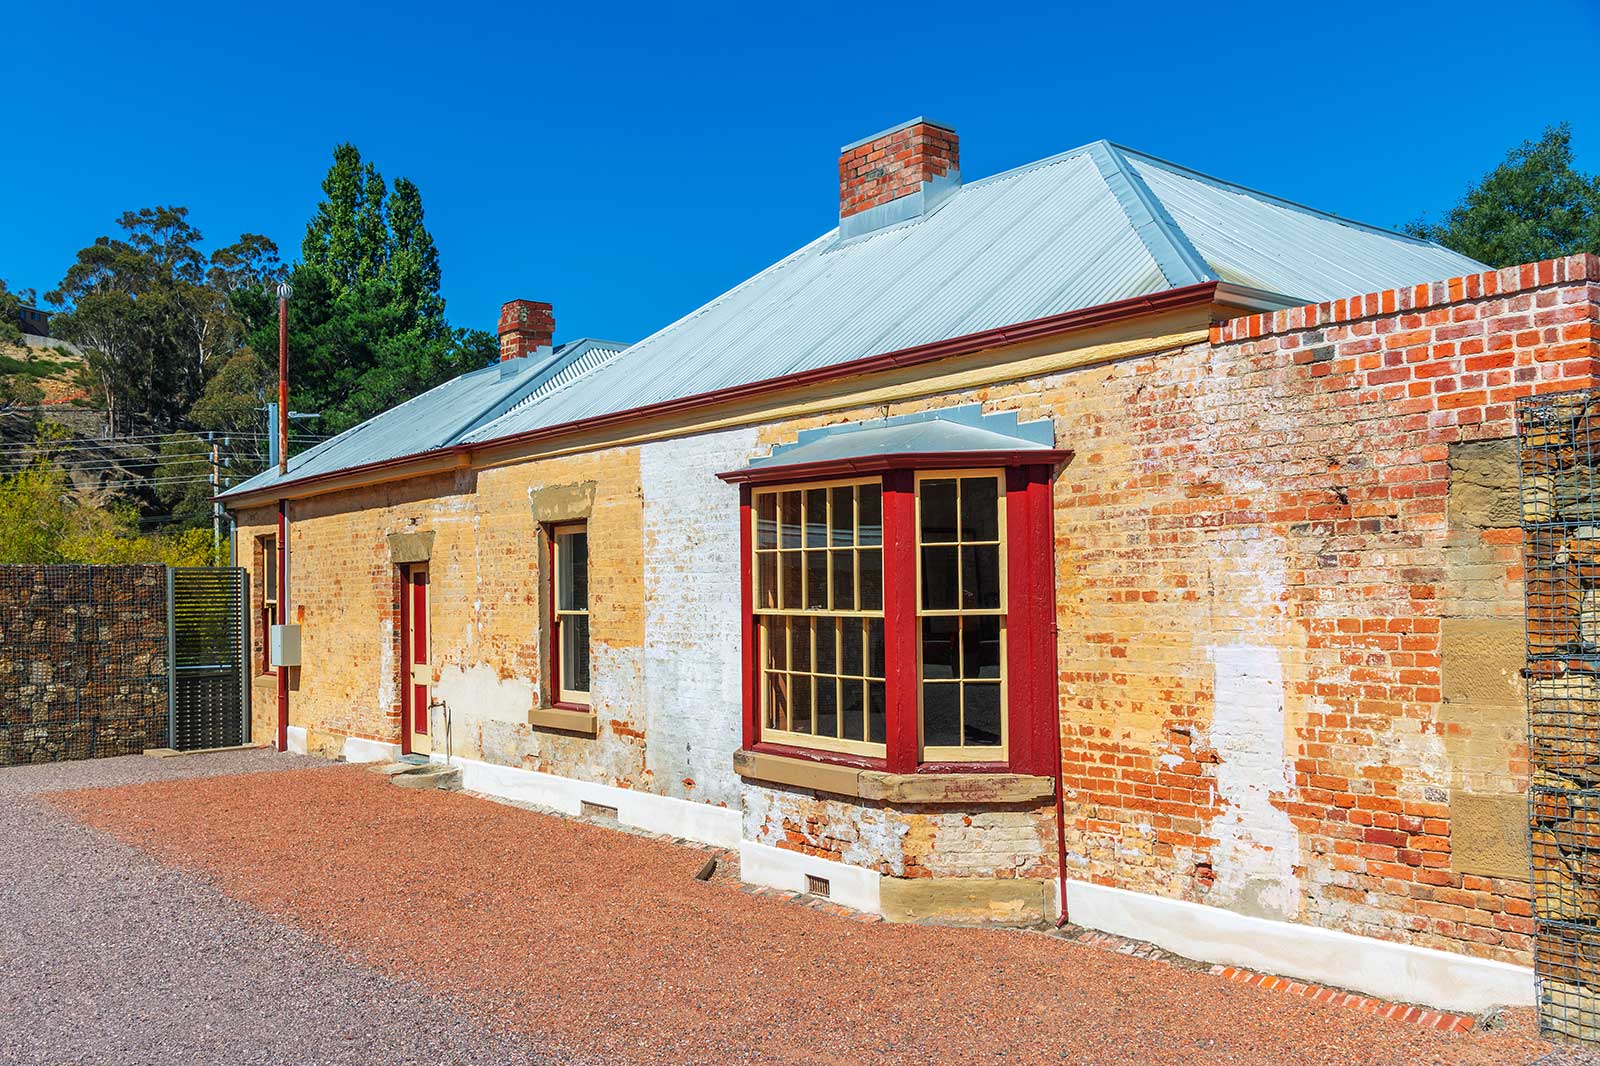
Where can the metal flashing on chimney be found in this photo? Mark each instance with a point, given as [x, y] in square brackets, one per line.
[924, 202]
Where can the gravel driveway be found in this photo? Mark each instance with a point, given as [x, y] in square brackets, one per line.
[108, 957]
[597, 943]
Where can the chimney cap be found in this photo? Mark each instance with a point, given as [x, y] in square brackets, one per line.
[920, 120]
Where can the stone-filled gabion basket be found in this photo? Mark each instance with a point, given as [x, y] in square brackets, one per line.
[83, 669]
[1559, 437]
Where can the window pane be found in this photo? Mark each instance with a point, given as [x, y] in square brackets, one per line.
[843, 521]
[875, 647]
[980, 646]
[269, 566]
[980, 508]
[792, 585]
[827, 690]
[572, 571]
[827, 645]
[875, 712]
[800, 703]
[980, 577]
[817, 579]
[939, 579]
[981, 723]
[940, 646]
[575, 652]
[767, 520]
[850, 659]
[941, 713]
[776, 634]
[869, 524]
[767, 579]
[844, 580]
[937, 498]
[800, 644]
[777, 701]
[789, 520]
[870, 593]
[816, 518]
[852, 710]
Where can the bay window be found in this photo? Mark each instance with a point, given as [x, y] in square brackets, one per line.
[819, 600]
[899, 606]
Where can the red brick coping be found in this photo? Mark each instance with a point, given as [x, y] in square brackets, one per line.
[1400, 1012]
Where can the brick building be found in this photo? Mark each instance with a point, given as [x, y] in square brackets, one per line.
[1099, 524]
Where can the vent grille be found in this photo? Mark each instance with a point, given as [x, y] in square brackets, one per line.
[596, 810]
[817, 886]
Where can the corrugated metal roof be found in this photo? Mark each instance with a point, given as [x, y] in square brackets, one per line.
[1260, 241]
[442, 415]
[1088, 227]
[951, 429]
[1091, 226]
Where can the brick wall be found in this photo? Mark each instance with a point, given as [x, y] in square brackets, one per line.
[1289, 604]
[895, 164]
[83, 662]
[1262, 546]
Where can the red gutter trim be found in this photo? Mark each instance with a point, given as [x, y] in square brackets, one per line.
[967, 344]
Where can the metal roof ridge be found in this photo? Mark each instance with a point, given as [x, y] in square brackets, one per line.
[1282, 201]
[1175, 255]
[579, 348]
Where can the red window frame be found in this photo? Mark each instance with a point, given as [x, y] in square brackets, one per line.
[269, 608]
[1030, 617]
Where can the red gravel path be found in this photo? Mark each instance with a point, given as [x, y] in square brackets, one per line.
[602, 945]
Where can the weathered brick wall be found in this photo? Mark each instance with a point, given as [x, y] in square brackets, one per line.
[1288, 596]
[83, 662]
[1264, 545]
[908, 840]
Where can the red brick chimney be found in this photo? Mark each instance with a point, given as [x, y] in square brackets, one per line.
[916, 157]
[525, 326]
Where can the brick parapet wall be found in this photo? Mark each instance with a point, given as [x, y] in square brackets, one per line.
[1430, 296]
[1291, 582]
[83, 662]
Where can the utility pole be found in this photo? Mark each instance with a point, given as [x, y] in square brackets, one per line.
[216, 505]
[284, 292]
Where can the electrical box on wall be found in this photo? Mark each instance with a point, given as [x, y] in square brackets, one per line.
[283, 645]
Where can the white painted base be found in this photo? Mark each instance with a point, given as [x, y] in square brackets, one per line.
[297, 739]
[643, 810]
[853, 886]
[359, 749]
[1379, 968]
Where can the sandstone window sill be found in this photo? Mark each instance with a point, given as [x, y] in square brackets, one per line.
[583, 722]
[970, 789]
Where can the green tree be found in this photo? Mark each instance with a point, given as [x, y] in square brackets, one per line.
[1535, 205]
[156, 316]
[367, 325]
[10, 312]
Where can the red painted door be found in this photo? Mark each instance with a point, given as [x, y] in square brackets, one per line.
[417, 666]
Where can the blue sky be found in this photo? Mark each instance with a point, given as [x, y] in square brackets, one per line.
[628, 162]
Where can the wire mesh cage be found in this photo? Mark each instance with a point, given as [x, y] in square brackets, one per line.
[83, 661]
[1559, 450]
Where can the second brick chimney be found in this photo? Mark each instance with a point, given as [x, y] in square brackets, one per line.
[902, 173]
[525, 327]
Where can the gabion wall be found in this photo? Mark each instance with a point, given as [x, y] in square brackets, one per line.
[83, 661]
[1560, 462]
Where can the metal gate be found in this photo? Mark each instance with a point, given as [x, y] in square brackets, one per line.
[208, 641]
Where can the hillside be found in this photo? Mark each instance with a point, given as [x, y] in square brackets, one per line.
[54, 368]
